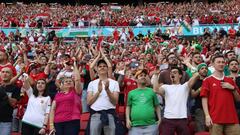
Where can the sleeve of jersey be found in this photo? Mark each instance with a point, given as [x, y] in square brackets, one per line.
[48, 105]
[155, 99]
[89, 87]
[204, 89]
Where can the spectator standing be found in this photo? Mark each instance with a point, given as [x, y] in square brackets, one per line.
[233, 65]
[176, 96]
[195, 93]
[39, 104]
[139, 100]
[9, 95]
[220, 115]
[66, 109]
[102, 98]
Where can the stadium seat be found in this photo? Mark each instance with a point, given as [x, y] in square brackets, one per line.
[192, 127]
[15, 133]
[83, 122]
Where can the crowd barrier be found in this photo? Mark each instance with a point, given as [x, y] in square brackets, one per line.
[107, 31]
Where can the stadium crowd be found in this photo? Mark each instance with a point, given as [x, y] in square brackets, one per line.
[163, 83]
[164, 14]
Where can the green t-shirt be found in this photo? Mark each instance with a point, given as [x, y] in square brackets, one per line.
[142, 103]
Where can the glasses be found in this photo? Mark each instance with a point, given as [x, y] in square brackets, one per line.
[171, 58]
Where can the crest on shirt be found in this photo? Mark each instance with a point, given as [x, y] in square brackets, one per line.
[143, 99]
[214, 85]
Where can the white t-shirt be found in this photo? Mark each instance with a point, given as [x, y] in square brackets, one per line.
[238, 19]
[37, 107]
[123, 36]
[103, 101]
[176, 101]
[195, 22]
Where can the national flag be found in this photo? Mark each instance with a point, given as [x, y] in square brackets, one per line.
[185, 25]
[99, 43]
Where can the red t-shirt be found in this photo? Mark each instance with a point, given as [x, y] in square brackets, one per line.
[125, 23]
[220, 101]
[1, 23]
[232, 33]
[106, 22]
[209, 19]
[230, 19]
[116, 35]
[38, 76]
[64, 24]
[129, 84]
[222, 21]
[6, 24]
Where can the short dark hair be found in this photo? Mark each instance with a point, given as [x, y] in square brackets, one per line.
[231, 51]
[179, 70]
[101, 61]
[217, 56]
[67, 56]
[195, 53]
[232, 61]
[44, 57]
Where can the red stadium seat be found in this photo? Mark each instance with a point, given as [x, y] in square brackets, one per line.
[83, 122]
[192, 127]
[85, 116]
[15, 133]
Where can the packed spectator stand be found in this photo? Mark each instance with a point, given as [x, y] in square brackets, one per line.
[67, 85]
[30, 15]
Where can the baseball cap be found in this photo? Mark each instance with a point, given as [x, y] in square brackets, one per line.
[141, 71]
[134, 64]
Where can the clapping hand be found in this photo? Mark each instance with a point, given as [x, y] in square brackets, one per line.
[106, 83]
[100, 86]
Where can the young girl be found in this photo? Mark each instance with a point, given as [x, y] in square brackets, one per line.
[35, 119]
